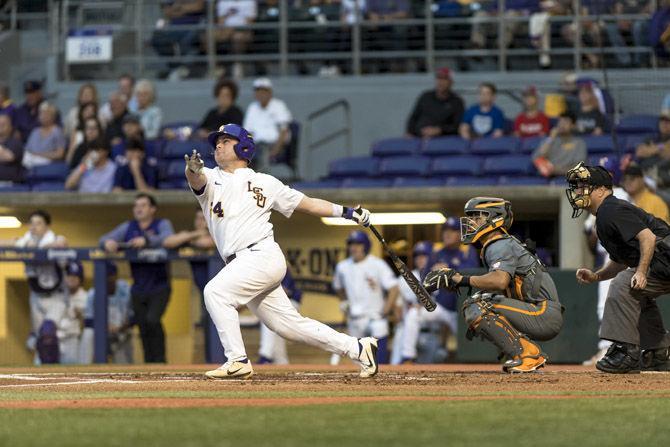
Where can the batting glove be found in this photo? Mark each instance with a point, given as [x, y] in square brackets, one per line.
[194, 163]
[358, 214]
[440, 279]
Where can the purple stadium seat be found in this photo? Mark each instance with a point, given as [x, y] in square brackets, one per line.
[182, 129]
[344, 167]
[417, 182]
[318, 184]
[14, 188]
[359, 182]
[55, 171]
[396, 146]
[637, 124]
[445, 146]
[52, 186]
[514, 180]
[508, 165]
[173, 184]
[396, 166]
[492, 146]
[631, 142]
[594, 160]
[177, 149]
[458, 165]
[528, 145]
[471, 181]
[596, 144]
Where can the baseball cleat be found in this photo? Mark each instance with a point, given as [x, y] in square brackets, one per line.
[621, 358]
[367, 356]
[530, 359]
[232, 370]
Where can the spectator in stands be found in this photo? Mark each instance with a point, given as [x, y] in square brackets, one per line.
[637, 29]
[132, 128]
[562, 150]
[151, 282]
[381, 37]
[118, 108]
[87, 95]
[181, 38]
[150, 114]
[568, 88]
[27, 114]
[437, 112]
[11, 152]
[590, 120]
[267, 119]
[70, 326]
[226, 111]
[96, 171]
[92, 132]
[514, 9]
[531, 122]
[590, 31]
[653, 156]
[86, 112]
[125, 87]
[231, 34]
[46, 143]
[119, 320]
[484, 119]
[640, 195]
[539, 27]
[137, 172]
[7, 106]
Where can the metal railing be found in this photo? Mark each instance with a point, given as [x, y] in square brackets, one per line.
[285, 39]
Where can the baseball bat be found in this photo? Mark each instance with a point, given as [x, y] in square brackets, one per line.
[424, 297]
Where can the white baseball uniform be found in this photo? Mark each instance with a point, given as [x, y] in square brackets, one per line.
[237, 207]
[416, 316]
[69, 327]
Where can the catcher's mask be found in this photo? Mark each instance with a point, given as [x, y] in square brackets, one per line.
[497, 213]
[582, 180]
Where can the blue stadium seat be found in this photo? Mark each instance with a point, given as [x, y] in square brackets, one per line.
[173, 184]
[594, 160]
[396, 146]
[631, 142]
[48, 186]
[177, 149]
[515, 180]
[458, 165]
[175, 170]
[153, 147]
[508, 165]
[14, 188]
[528, 145]
[344, 167]
[55, 171]
[417, 182]
[396, 166]
[492, 146]
[182, 129]
[362, 182]
[471, 181]
[637, 124]
[445, 146]
[318, 184]
[596, 144]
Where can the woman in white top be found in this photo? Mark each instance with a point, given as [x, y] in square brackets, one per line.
[87, 93]
[150, 114]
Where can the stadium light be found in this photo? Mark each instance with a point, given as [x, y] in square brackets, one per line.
[9, 222]
[418, 218]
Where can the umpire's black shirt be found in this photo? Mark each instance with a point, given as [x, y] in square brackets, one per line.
[617, 224]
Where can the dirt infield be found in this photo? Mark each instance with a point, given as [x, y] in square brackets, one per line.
[185, 386]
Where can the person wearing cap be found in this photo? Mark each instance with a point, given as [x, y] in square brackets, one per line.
[532, 122]
[26, 117]
[633, 183]
[136, 171]
[70, 326]
[268, 119]
[484, 119]
[589, 119]
[639, 248]
[119, 320]
[95, 173]
[438, 111]
[561, 150]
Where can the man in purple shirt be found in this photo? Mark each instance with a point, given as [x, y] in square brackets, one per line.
[26, 114]
[7, 106]
[11, 152]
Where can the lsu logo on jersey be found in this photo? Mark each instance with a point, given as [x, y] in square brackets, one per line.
[258, 194]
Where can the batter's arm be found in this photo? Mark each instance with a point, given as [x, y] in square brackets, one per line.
[193, 171]
[323, 208]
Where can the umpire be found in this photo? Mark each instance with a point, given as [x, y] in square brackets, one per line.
[639, 248]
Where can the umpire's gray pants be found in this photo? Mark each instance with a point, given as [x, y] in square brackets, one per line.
[632, 316]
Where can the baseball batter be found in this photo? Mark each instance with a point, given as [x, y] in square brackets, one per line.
[370, 289]
[237, 203]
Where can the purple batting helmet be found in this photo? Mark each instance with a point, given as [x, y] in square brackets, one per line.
[423, 248]
[245, 147]
[359, 237]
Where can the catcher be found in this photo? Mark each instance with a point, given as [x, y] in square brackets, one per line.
[517, 302]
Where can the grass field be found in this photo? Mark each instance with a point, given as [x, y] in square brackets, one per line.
[312, 405]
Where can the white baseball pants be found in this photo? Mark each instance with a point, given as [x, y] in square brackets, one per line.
[253, 279]
[415, 318]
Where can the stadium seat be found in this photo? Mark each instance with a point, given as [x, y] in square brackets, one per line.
[396, 166]
[471, 181]
[637, 124]
[153, 147]
[598, 143]
[513, 180]
[445, 146]
[182, 129]
[318, 184]
[631, 142]
[177, 149]
[345, 167]
[458, 165]
[52, 186]
[175, 170]
[396, 147]
[530, 144]
[14, 188]
[55, 171]
[417, 182]
[508, 165]
[362, 182]
[594, 160]
[492, 146]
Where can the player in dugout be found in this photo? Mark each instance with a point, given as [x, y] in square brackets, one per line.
[517, 301]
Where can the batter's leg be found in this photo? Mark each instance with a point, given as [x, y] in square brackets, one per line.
[226, 319]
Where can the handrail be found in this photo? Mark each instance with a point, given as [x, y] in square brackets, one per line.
[344, 130]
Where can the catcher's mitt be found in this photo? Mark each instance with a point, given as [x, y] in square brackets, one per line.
[440, 279]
